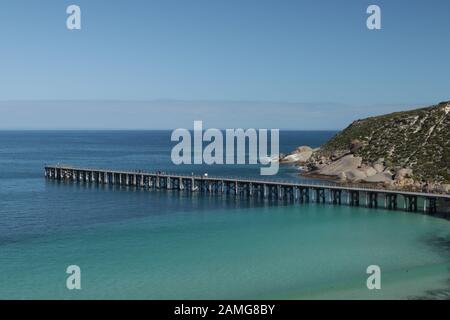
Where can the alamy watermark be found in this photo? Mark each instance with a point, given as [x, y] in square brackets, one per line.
[73, 281]
[239, 146]
[73, 21]
[374, 20]
[374, 280]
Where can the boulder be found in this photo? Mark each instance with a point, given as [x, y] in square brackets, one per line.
[344, 164]
[324, 160]
[388, 183]
[445, 188]
[403, 174]
[379, 167]
[381, 177]
[342, 177]
[355, 175]
[404, 182]
[370, 171]
[302, 154]
[303, 149]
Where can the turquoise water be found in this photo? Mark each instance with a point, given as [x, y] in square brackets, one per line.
[167, 245]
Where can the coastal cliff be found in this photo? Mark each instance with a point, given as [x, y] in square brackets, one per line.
[409, 149]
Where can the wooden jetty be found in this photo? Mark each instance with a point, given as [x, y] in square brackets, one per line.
[319, 192]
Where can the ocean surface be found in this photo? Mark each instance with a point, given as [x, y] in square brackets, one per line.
[138, 244]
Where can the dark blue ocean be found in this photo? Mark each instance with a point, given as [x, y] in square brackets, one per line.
[139, 244]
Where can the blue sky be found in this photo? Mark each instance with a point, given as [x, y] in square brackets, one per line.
[303, 56]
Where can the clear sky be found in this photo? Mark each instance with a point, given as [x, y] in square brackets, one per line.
[302, 57]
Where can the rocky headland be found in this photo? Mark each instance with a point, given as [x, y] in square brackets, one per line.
[407, 150]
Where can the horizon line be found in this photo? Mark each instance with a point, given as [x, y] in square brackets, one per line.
[140, 129]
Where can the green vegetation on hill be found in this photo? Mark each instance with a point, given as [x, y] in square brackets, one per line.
[417, 139]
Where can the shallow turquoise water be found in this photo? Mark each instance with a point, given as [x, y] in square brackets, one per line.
[156, 245]
[283, 251]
